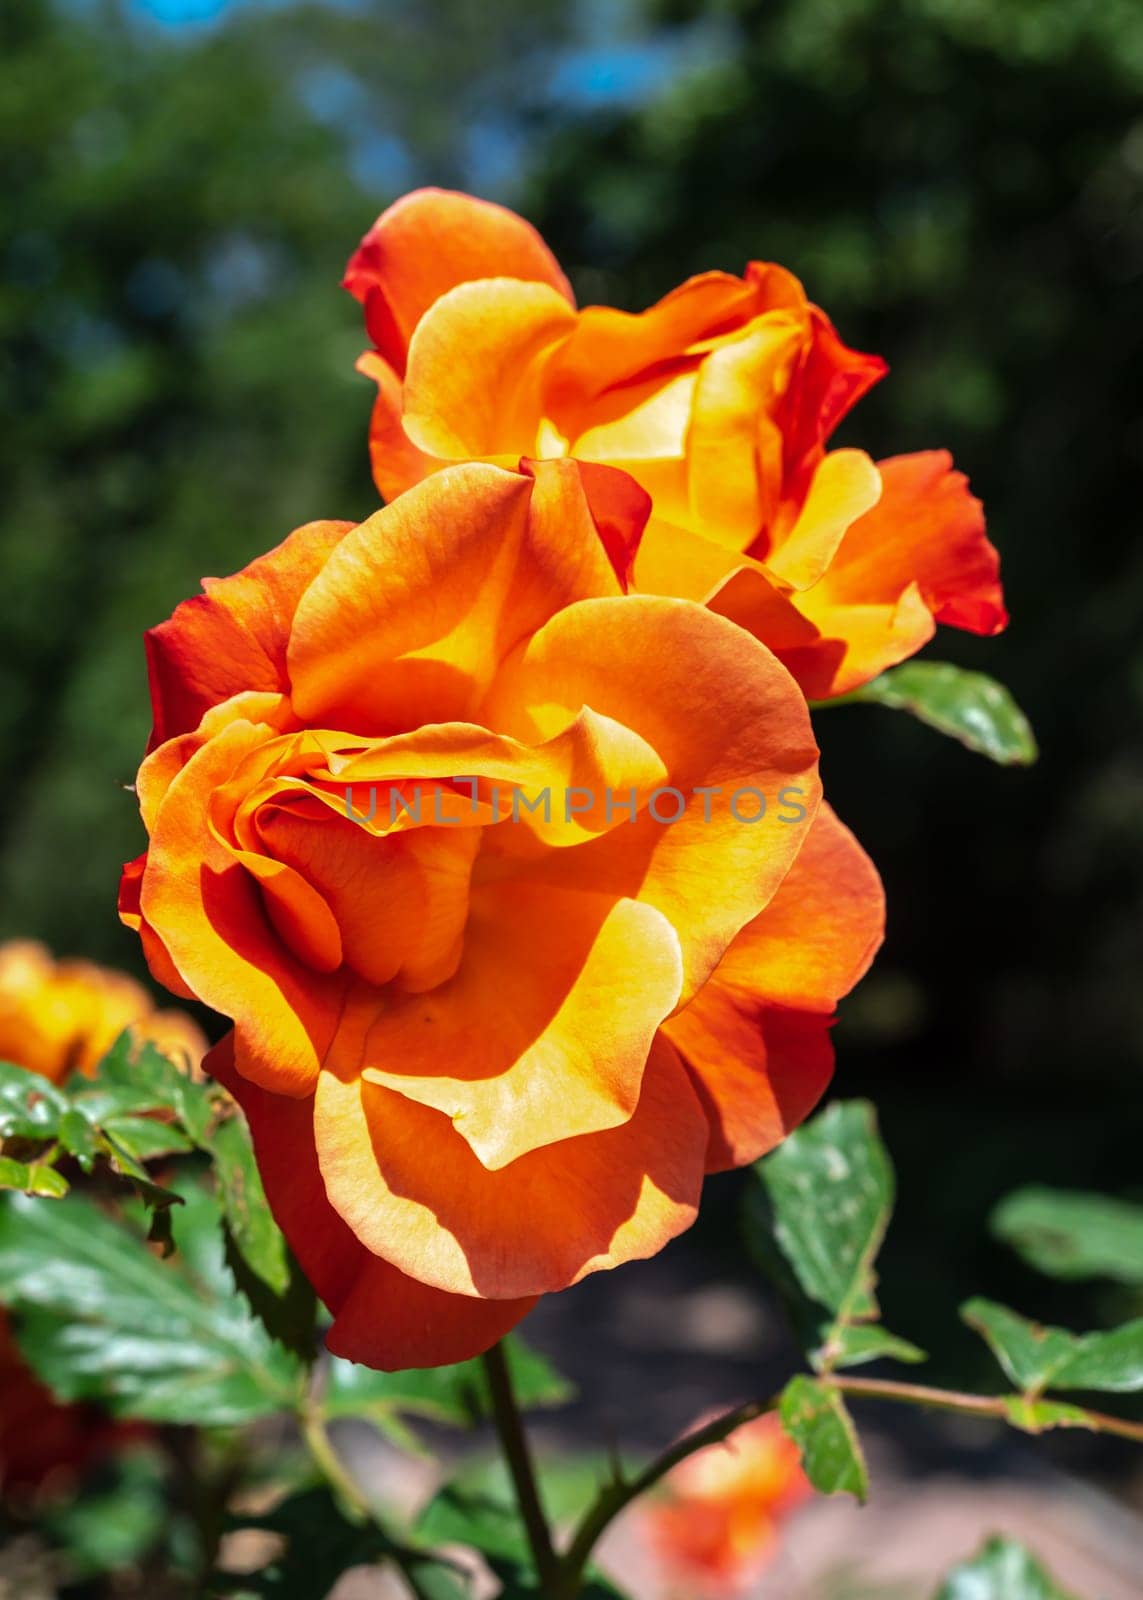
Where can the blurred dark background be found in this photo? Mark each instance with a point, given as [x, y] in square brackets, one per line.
[958, 182]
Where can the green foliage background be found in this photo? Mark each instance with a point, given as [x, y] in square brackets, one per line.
[959, 182]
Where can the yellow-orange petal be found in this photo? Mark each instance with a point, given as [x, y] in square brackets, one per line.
[474, 382]
[544, 1032]
[920, 557]
[734, 446]
[414, 611]
[722, 715]
[427, 243]
[410, 1188]
[610, 348]
[381, 1317]
[844, 487]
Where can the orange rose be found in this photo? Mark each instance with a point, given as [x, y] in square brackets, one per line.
[58, 1017]
[718, 401]
[481, 1040]
[717, 1524]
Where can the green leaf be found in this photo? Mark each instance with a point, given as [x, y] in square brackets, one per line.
[1003, 1570]
[121, 1515]
[244, 1203]
[968, 706]
[1038, 1358]
[455, 1394]
[482, 1516]
[102, 1318]
[815, 1417]
[1073, 1235]
[871, 1342]
[32, 1178]
[825, 1202]
[30, 1106]
[1040, 1416]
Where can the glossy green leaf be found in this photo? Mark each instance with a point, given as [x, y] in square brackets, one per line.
[968, 706]
[30, 1106]
[101, 1317]
[1073, 1235]
[1003, 1570]
[816, 1224]
[1038, 1358]
[815, 1417]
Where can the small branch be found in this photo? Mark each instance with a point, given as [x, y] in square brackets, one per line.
[919, 1394]
[514, 1443]
[614, 1497]
[311, 1420]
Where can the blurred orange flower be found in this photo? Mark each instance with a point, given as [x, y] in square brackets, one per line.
[487, 1048]
[718, 1523]
[59, 1017]
[719, 401]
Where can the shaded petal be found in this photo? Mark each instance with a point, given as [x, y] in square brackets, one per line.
[207, 910]
[756, 1036]
[396, 461]
[734, 448]
[408, 1184]
[427, 243]
[381, 1317]
[233, 638]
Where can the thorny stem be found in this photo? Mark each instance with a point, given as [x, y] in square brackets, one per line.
[514, 1443]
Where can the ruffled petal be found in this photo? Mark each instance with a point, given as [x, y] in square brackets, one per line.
[426, 244]
[723, 716]
[474, 383]
[408, 1185]
[919, 557]
[413, 612]
[233, 638]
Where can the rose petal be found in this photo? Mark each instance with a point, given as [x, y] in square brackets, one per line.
[381, 1317]
[409, 1186]
[426, 244]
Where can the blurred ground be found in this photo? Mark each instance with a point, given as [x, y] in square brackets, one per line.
[658, 1345]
